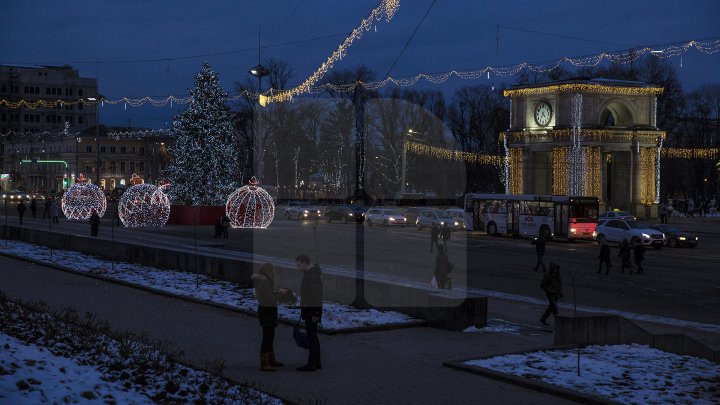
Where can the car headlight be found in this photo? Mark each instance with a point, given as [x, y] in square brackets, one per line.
[696, 238]
[682, 238]
[646, 236]
[318, 211]
[594, 234]
[306, 211]
[392, 219]
[456, 224]
[350, 214]
[442, 223]
[573, 230]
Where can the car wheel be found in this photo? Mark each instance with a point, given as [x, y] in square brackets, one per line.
[600, 238]
[287, 215]
[419, 226]
[385, 223]
[673, 243]
[369, 222]
[491, 229]
[658, 246]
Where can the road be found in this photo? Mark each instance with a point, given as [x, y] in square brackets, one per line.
[678, 283]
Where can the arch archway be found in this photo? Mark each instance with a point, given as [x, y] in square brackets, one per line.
[616, 113]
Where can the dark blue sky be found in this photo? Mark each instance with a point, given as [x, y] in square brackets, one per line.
[455, 35]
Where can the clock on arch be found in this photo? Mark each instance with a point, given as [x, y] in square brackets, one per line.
[543, 113]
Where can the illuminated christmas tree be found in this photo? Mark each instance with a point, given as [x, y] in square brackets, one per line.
[204, 162]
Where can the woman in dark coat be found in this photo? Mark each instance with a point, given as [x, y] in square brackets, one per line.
[442, 267]
[552, 285]
[267, 298]
[625, 256]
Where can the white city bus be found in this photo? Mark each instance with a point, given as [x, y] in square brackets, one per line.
[533, 215]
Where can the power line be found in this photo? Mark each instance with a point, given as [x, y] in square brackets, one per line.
[410, 39]
[550, 34]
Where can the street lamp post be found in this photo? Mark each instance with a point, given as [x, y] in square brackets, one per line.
[410, 132]
[97, 100]
[260, 71]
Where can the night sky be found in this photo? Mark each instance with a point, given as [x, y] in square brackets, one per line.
[455, 35]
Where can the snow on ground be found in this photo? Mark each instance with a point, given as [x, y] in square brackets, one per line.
[30, 374]
[496, 325]
[625, 373]
[335, 316]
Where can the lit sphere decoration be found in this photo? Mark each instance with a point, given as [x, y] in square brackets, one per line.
[250, 207]
[144, 205]
[80, 200]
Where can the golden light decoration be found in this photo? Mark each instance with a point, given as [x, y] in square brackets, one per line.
[648, 157]
[469, 157]
[250, 207]
[690, 153]
[583, 88]
[82, 199]
[593, 171]
[560, 161]
[595, 134]
[144, 206]
[386, 10]
[516, 171]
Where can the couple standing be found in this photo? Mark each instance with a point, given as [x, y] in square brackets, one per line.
[311, 298]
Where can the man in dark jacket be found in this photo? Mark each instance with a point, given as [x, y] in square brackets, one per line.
[311, 301]
[434, 235]
[625, 256]
[33, 207]
[604, 257]
[442, 267]
[552, 285]
[540, 250]
[48, 202]
[21, 210]
[639, 257]
[94, 224]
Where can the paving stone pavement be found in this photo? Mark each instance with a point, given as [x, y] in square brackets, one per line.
[399, 366]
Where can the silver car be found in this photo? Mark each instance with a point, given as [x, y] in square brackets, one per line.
[427, 218]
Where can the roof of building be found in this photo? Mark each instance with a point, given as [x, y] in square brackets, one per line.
[588, 85]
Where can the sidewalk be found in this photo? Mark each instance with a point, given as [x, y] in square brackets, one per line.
[399, 366]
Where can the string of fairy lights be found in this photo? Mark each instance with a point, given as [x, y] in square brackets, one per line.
[387, 9]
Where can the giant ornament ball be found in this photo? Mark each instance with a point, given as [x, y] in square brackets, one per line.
[144, 205]
[81, 200]
[250, 207]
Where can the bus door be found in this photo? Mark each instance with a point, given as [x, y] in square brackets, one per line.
[561, 220]
[513, 217]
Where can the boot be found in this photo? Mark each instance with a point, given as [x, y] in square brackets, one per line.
[265, 362]
[274, 362]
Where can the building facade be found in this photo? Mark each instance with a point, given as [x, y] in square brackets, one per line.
[590, 137]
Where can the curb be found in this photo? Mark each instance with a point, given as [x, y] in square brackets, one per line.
[539, 386]
[374, 328]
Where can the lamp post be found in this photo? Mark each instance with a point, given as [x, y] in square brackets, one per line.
[260, 71]
[97, 100]
[409, 133]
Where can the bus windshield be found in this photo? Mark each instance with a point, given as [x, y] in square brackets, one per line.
[583, 211]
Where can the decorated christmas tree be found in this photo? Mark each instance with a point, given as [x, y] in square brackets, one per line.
[203, 166]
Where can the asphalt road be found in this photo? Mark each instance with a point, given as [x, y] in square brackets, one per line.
[678, 283]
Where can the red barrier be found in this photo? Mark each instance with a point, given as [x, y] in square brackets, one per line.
[187, 214]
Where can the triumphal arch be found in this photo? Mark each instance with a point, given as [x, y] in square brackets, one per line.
[586, 137]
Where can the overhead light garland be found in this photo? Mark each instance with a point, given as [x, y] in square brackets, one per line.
[386, 10]
[595, 134]
[690, 153]
[469, 157]
[583, 88]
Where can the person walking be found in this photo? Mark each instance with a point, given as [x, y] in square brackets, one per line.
[225, 226]
[311, 301]
[48, 202]
[267, 298]
[625, 256]
[94, 223]
[540, 250]
[604, 257]
[434, 235]
[552, 285]
[33, 207]
[54, 212]
[663, 213]
[21, 210]
[443, 267]
[639, 257]
[445, 236]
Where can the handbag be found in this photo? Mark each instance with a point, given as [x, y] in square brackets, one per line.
[300, 336]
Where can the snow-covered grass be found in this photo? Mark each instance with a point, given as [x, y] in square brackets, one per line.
[61, 357]
[625, 373]
[335, 316]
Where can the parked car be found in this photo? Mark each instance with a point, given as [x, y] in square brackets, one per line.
[16, 195]
[617, 230]
[458, 215]
[385, 216]
[411, 214]
[301, 210]
[617, 214]
[345, 213]
[675, 237]
[429, 217]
